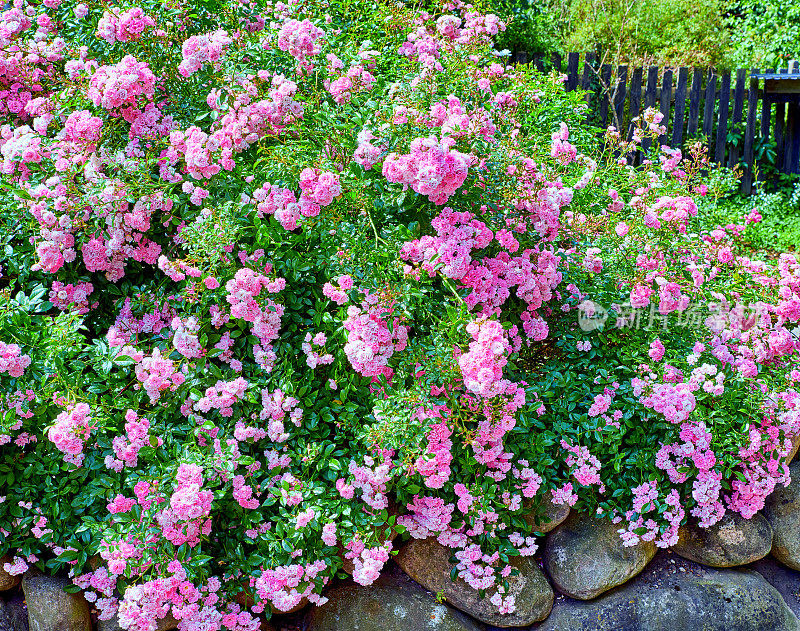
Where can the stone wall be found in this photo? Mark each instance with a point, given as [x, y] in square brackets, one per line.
[739, 575]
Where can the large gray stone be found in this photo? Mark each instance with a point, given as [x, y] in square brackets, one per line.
[50, 608]
[427, 562]
[793, 452]
[782, 510]
[109, 625]
[585, 557]
[674, 594]
[393, 603]
[167, 623]
[13, 615]
[543, 515]
[8, 581]
[732, 541]
[164, 624]
[246, 599]
[784, 579]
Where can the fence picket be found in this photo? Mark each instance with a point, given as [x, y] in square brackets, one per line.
[792, 143]
[792, 146]
[722, 120]
[749, 135]
[766, 111]
[619, 98]
[694, 103]
[680, 107]
[666, 98]
[588, 70]
[635, 100]
[556, 59]
[650, 98]
[605, 82]
[708, 110]
[738, 108]
[572, 71]
[780, 132]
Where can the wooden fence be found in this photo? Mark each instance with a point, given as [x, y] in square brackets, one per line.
[743, 123]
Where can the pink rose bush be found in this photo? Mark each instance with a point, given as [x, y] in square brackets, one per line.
[12, 361]
[71, 431]
[273, 291]
[127, 26]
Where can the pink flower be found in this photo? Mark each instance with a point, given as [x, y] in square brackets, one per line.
[431, 168]
[301, 41]
[482, 366]
[345, 490]
[201, 49]
[601, 404]
[305, 517]
[640, 296]
[370, 341]
[329, 534]
[111, 87]
[12, 360]
[121, 504]
[128, 26]
[656, 351]
[564, 495]
[70, 432]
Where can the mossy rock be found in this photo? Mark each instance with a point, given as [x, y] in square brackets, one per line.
[428, 563]
[732, 541]
[584, 557]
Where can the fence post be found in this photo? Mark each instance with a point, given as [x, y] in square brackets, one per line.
[792, 142]
[749, 135]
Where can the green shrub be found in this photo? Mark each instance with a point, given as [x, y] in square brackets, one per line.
[779, 227]
[764, 33]
[671, 32]
[532, 26]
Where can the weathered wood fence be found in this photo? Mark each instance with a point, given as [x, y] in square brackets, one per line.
[744, 120]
